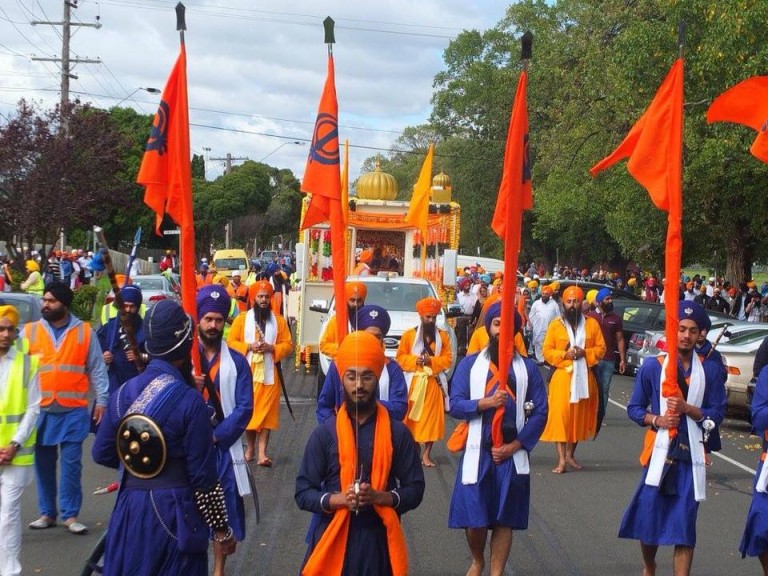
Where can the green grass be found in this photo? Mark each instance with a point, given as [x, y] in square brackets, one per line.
[758, 277]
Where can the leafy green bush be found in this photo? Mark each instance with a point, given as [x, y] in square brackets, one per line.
[85, 299]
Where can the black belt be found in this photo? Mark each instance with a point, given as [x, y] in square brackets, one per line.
[173, 475]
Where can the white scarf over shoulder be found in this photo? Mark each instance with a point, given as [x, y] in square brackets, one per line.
[269, 336]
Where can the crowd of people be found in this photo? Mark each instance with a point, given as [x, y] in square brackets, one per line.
[185, 438]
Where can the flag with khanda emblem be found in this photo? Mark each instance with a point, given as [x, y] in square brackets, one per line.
[322, 179]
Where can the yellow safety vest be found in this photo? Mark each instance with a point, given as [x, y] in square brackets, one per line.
[232, 311]
[21, 345]
[14, 405]
[109, 311]
[37, 288]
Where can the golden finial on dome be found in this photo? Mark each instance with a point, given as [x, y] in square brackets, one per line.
[441, 188]
[441, 180]
[377, 185]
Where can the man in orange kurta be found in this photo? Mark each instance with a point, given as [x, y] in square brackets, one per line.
[265, 339]
[425, 355]
[573, 345]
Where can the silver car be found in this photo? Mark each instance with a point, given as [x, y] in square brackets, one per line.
[155, 287]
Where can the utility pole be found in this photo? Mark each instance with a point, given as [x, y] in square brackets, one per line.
[228, 169]
[65, 61]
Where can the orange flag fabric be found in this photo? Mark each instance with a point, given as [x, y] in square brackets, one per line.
[166, 173]
[418, 210]
[322, 179]
[654, 146]
[515, 196]
[747, 104]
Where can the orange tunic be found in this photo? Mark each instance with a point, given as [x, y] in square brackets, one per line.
[328, 344]
[479, 341]
[266, 398]
[571, 422]
[431, 426]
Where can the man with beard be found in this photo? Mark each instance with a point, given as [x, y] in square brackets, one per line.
[70, 363]
[392, 391]
[355, 294]
[492, 488]
[265, 339]
[717, 302]
[543, 311]
[19, 408]
[612, 327]
[117, 354]
[230, 375]
[360, 473]
[170, 494]
[665, 505]
[425, 355]
[572, 346]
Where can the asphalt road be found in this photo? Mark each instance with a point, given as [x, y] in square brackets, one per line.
[574, 516]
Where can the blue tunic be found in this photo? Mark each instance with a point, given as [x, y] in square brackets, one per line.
[754, 542]
[663, 519]
[138, 539]
[706, 350]
[332, 394]
[121, 369]
[367, 551]
[501, 496]
[230, 431]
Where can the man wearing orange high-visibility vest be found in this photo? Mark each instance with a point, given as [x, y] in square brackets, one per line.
[19, 407]
[70, 362]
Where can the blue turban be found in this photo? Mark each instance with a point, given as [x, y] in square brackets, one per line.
[213, 298]
[602, 294]
[494, 311]
[204, 266]
[271, 269]
[373, 315]
[486, 278]
[689, 310]
[97, 263]
[168, 331]
[132, 295]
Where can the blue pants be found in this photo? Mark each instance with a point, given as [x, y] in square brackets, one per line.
[604, 375]
[70, 490]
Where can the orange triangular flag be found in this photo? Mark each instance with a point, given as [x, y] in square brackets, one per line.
[418, 210]
[747, 104]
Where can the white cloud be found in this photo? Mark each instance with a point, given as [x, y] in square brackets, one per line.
[267, 63]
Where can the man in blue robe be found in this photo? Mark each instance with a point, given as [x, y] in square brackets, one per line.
[392, 391]
[665, 505]
[492, 489]
[162, 519]
[117, 354]
[231, 377]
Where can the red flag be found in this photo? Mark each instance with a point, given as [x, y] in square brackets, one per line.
[747, 104]
[515, 196]
[322, 178]
[166, 172]
[654, 146]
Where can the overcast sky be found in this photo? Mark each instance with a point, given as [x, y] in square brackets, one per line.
[254, 69]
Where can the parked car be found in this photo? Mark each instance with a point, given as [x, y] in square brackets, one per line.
[399, 296]
[738, 356]
[617, 293]
[28, 306]
[653, 342]
[155, 287]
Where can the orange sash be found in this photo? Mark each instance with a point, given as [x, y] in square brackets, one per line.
[328, 556]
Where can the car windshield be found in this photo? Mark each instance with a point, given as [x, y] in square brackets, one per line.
[748, 337]
[149, 283]
[639, 314]
[230, 264]
[397, 297]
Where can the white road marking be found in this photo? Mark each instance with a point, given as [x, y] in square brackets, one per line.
[721, 456]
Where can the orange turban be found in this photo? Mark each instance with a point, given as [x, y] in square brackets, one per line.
[365, 256]
[263, 286]
[355, 289]
[547, 290]
[573, 292]
[488, 301]
[9, 312]
[429, 306]
[360, 349]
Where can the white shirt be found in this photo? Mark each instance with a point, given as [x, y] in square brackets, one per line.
[27, 424]
[467, 301]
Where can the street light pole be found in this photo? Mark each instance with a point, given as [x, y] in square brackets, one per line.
[150, 90]
[296, 142]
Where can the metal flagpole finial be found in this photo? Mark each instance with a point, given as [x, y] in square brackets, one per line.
[527, 46]
[181, 23]
[328, 24]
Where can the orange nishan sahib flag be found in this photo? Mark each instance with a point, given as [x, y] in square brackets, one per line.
[745, 103]
[418, 210]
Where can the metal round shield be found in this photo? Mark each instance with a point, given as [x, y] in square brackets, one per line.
[141, 446]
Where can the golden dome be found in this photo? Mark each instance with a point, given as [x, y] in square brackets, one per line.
[442, 180]
[377, 185]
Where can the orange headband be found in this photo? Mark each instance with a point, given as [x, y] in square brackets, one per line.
[355, 289]
[573, 292]
[264, 286]
[428, 306]
[360, 350]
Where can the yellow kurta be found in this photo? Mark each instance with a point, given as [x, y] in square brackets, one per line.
[431, 425]
[328, 344]
[571, 422]
[266, 399]
[479, 341]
